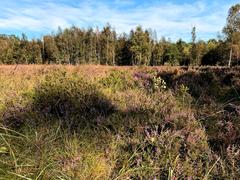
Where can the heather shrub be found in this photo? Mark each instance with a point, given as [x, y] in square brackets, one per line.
[150, 81]
[222, 127]
[152, 124]
[152, 153]
[17, 110]
[206, 85]
[198, 84]
[67, 96]
[183, 96]
[164, 142]
[233, 161]
[117, 81]
[62, 96]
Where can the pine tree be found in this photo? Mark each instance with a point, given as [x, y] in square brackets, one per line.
[140, 47]
[194, 47]
[123, 54]
[51, 53]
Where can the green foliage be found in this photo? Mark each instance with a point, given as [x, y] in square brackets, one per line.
[183, 89]
[218, 54]
[150, 81]
[59, 96]
[66, 96]
[117, 81]
[183, 95]
[171, 55]
[50, 50]
[140, 47]
[159, 84]
[232, 32]
[184, 54]
[193, 47]
[123, 54]
[233, 21]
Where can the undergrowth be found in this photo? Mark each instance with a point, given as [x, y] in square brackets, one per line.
[141, 124]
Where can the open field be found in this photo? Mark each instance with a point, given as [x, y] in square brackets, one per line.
[106, 122]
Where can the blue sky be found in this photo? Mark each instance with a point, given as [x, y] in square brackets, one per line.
[173, 19]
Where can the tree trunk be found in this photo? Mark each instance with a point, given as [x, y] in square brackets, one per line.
[140, 59]
[107, 52]
[230, 57]
[114, 55]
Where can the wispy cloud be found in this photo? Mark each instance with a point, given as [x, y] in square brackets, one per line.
[170, 19]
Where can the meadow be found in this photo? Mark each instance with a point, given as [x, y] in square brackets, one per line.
[107, 122]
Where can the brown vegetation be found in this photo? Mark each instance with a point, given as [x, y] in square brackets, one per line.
[90, 122]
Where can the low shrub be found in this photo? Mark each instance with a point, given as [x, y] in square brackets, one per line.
[17, 110]
[151, 125]
[117, 81]
[61, 96]
[150, 81]
[164, 142]
[67, 96]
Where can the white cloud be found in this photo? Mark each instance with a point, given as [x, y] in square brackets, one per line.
[169, 19]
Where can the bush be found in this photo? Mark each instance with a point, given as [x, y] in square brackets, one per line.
[166, 141]
[17, 110]
[65, 96]
[62, 96]
[117, 81]
[150, 81]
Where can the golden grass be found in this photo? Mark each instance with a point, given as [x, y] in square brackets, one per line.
[88, 70]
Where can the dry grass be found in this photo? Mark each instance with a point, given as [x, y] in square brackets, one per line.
[155, 132]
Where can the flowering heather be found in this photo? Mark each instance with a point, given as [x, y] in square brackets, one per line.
[102, 122]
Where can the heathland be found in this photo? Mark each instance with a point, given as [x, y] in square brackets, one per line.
[106, 122]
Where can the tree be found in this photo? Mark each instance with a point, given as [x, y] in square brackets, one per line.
[107, 42]
[24, 51]
[123, 54]
[13, 52]
[34, 52]
[201, 49]
[157, 54]
[5, 47]
[217, 54]
[232, 30]
[61, 43]
[193, 47]
[180, 46]
[140, 46]
[50, 50]
[171, 55]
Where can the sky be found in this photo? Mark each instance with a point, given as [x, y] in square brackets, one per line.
[172, 19]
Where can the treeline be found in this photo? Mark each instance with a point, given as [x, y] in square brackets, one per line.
[78, 46]
[140, 47]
